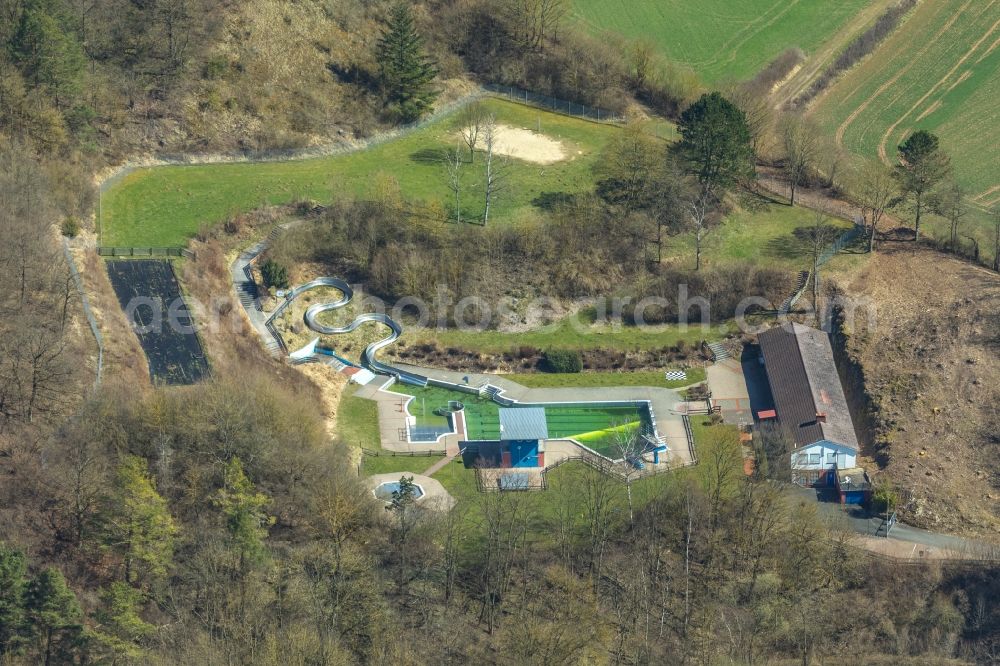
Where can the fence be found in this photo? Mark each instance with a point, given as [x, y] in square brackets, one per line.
[106, 251]
[565, 107]
[843, 241]
[405, 454]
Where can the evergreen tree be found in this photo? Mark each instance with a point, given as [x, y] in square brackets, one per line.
[138, 523]
[47, 51]
[122, 629]
[55, 617]
[715, 144]
[13, 571]
[922, 166]
[246, 520]
[406, 71]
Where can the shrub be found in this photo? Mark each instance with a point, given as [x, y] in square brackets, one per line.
[274, 274]
[71, 227]
[885, 496]
[563, 360]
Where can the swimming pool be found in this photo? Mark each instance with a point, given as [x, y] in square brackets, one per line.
[594, 424]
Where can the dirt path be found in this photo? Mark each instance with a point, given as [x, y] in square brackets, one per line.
[817, 63]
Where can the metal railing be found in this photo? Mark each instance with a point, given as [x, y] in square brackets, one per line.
[114, 251]
[404, 454]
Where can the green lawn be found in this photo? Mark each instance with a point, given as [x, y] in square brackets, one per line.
[938, 72]
[720, 39]
[385, 464]
[163, 206]
[584, 379]
[357, 421]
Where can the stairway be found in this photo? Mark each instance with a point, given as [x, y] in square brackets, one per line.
[719, 352]
[801, 280]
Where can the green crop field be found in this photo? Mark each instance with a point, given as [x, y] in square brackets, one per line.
[721, 39]
[939, 71]
[166, 205]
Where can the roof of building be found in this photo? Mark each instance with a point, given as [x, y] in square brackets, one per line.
[481, 454]
[806, 387]
[523, 423]
[853, 478]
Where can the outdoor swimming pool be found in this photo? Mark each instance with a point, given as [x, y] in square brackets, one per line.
[596, 425]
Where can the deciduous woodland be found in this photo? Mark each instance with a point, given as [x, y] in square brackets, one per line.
[227, 520]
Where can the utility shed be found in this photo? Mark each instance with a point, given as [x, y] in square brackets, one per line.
[809, 401]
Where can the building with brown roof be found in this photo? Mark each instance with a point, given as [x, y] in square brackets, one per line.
[810, 402]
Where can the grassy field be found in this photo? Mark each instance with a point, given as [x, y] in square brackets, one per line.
[357, 421]
[939, 71]
[721, 39]
[163, 206]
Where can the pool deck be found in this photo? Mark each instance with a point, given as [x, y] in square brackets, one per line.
[666, 405]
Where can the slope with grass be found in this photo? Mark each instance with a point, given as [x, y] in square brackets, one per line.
[939, 71]
[166, 205]
[722, 39]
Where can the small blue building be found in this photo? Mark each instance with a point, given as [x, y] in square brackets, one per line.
[523, 431]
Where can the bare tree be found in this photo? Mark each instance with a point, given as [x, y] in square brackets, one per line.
[453, 167]
[818, 237]
[949, 204]
[629, 445]
[473, 118]
[996, 241]
[800, 139]
[758, 109]
[536, 21]
[875, 191]
[698, 209]
[505, 517]
[496, 167]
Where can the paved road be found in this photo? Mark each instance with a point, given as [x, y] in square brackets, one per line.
[857, 520]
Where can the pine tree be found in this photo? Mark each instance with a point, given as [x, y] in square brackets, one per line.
[406, 71]
[13, 572]
[55, 617]
[715, 144]
[138, 523]
[246, 520]
[922, 165]
[47, 51]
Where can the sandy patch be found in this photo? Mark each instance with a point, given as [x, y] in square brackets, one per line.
[527, 145]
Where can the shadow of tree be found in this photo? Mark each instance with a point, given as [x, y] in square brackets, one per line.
[430, 156]
[552, 200]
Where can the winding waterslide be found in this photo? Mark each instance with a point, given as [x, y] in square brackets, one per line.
[368, 357]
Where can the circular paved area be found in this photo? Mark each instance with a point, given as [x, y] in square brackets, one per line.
[435, 497]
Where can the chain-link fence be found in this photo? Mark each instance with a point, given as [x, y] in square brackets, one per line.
[522, 96]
